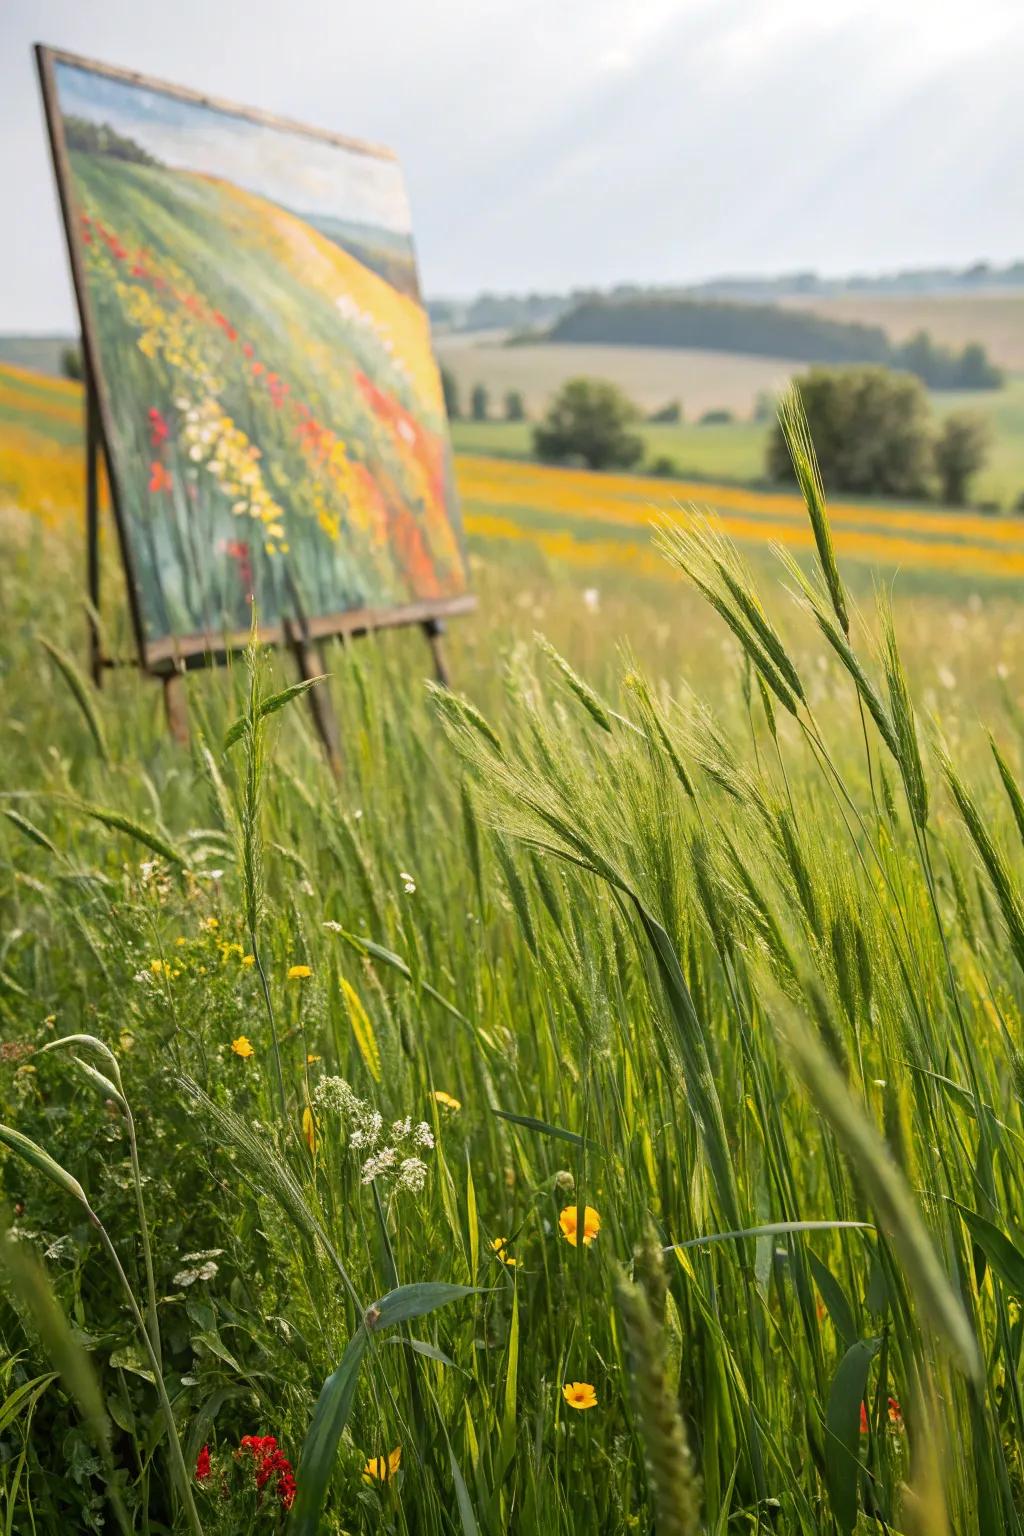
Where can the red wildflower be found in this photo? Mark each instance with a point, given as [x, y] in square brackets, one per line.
[271, 1463]
[159, 478]
[203, 1464]
[158, 428]
[863, 1419]
[895, 1412]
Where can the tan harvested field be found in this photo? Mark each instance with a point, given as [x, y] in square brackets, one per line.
[996, 320]
[703, 381]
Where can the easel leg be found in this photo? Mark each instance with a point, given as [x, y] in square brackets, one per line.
[92, 529]
[434, 631]
[325, 721]
[175, 708]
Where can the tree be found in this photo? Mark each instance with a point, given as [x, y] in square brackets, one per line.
[589, 419]
[668, 415]
[960, 451]
[871, 428]
[479, 402]
[515, 406]
[71, 364]
[450, 385]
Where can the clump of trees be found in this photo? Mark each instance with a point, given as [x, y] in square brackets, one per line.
[479, 403]
[589, 420]
[90, 138]
[875, 435]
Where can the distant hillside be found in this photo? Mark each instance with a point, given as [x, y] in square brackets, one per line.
[768, 330]
[43, 353]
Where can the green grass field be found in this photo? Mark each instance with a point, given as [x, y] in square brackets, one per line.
[599, 1111]
[735, 450]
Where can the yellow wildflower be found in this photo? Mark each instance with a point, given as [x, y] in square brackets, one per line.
[445, 1099]
[160, 968]
[243, 1047]
[579, 1394]
[248, 960]
[568, 1221]
[298, 972]
[308, 1128]
[380, 1469]
[499, 1246]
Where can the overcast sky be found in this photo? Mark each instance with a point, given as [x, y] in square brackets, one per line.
[554, 143]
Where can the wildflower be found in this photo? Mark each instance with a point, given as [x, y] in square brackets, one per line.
[446, 1100]
[412, 1175]
[299, 972]
[381, 1162]
[381, 1469]
[568, 1221]
[210, 923]
[308, 1129]
[310, 1058]
[501, 1252]
[863, 1419]
[243, 1047]
[160, 968]
[895, 1412]
[270, 1463]
[203, 1464]
[579, 1394]
[408, 883]
[160, 477]
[248, 960]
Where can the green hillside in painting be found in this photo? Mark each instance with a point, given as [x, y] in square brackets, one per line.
[278, 418]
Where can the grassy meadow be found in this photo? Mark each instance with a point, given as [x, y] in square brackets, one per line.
[600, 1111]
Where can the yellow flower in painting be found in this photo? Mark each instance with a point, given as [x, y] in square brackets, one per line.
[500, 1248]
[299, 972]
[248, 960]
[568, 1221]
[380, 1469]
[579, 1394]
[308, 1128]
[446, 1100]
[243, 1047]
[160, 968]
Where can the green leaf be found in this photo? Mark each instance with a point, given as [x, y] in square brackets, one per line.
[270, 706]
[337, 1395]
[543, 1127]
[1003, 1255]
[30, 830]
[33, 1154]
[421, 1347]
[466, 1515]
[388, 957]
[835, 1299]
[842, 1431]
[81, 693]
[118, 822]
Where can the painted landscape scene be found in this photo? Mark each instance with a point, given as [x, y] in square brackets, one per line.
[277, 424]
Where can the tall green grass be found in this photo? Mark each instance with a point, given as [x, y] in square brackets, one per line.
[720, 937]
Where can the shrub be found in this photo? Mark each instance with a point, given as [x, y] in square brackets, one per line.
[668, 415]
[960, 452]
[515, 406]
[664, 465]
[871, 428]
[716, 418]
[479, 403]
[589, 419]
[450, 385]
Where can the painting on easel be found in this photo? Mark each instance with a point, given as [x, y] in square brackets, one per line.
[269, 402]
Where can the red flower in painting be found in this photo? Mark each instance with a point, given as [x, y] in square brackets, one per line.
[247, 348]
[225, 325]
[238, 551]
[159, 478]
[158, 428]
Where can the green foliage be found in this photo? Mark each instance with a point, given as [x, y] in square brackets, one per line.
[871, 430]
[770, 330]
[479, 402]
[961, 447]
[589, 419]
[81, 133]
[670, 414]
[450, 386]
[515, 406]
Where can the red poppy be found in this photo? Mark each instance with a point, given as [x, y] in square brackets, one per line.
[159, 477]
[158, 428]
[203, 1464]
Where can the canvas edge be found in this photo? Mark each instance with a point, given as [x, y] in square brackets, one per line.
[217, 103]
[45, 59]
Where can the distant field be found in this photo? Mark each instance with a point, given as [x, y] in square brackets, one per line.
[996, 320]
[702, 381]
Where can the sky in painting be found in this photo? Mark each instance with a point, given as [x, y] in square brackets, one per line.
[587, 142]
[293, 169]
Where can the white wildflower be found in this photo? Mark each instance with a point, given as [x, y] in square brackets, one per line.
[412, 1175]
[423, 1136]
[381, 1162]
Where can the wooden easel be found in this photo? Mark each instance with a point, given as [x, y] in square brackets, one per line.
[297, 632]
